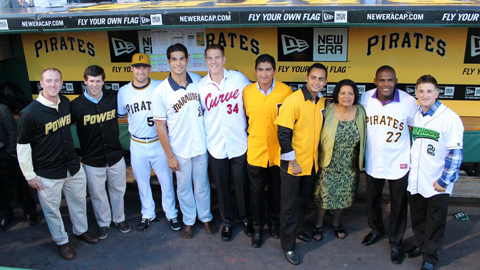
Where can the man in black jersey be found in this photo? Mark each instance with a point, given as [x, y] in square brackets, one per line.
[102, 154]
[47, 158]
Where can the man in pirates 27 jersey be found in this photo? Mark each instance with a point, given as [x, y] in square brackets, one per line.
[135, 100]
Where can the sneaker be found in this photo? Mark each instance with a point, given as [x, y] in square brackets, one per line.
[175, 224]
[102, 232]
[144, 223]
[123, 226]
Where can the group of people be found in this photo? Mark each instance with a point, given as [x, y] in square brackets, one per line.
[274, 145]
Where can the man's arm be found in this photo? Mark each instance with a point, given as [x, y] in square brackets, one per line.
[11, 128]
[287, 152]
[450, 173]
[24, 154]
[163, 136]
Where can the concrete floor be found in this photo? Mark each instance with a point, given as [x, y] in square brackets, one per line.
[161, 248]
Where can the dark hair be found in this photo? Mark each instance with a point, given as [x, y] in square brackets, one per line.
[94, 71]
[339, 85]
[51, 69]
[384, 68]
[319, 66]
[178, 47]
[265, 58]
[427, 79]
[215, 47]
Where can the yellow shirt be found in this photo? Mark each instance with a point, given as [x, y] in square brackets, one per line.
[305, 118]
[261, 111]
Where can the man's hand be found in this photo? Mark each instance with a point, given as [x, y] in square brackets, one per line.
[173, 163]
[437, 187]
[294, 167]
[34, 183]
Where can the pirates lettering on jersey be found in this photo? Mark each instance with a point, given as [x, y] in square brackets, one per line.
[184, 100]
[212, 103]
[425, 133]
[59, 123]
[385, 120]
[139, 106]
[98, 118]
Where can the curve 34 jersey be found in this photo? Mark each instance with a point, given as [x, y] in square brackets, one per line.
[137, 103]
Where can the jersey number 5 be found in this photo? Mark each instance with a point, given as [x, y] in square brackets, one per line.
[390, 135]
[150, 121]
[230, 110]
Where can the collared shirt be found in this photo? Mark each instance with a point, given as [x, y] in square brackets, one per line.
[432, 109]
[180, 107]
[92, 99]
[396, 97]
[224, 114]
[269, 89]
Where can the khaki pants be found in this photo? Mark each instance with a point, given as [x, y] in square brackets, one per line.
[74, 190]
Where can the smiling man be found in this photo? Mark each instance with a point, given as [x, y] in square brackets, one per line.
[436, 158]
[387, 157]
[262, 100]
[47, 158]
[221, 93]
[299, 124]
[179, 117]
[102, 154]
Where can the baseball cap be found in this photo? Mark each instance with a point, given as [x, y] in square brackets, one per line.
[141, 59]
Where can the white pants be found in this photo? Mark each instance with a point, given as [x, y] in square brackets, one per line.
[50, 197]
[144, 157]
[115, 177]
[194, 199]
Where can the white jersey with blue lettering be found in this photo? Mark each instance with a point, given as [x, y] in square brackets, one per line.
[137, 104]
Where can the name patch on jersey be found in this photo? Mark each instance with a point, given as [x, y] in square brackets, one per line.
[212, 103]
[139, 106]
[386, 121]
[184, 100]
[59, 123]
[98, 118]
[425, 133]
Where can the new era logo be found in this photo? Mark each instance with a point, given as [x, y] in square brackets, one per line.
[291, 44]
[475, 46]
[328, 16]
[121, 47]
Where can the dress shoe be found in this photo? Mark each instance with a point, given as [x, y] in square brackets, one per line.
[397, 256]
[226, 233]
[427, 266]
[274, 232]
[257, 239]
[370, 239]
[88, 237]
[291, 256]
[66, 251]
[209, 227]
[304, 237]
[413, 252]
[4, 222]
[187, 232]
[31, 219]
[102, 232]
[248, 228]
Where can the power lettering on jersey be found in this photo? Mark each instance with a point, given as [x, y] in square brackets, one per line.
[139, 106]
[222, 98]
[59, 123]
[99, 118]
[183, 100]
[385, 120]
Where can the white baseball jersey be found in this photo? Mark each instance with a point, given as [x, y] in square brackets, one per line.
[387, 155]
[432, 137]
[181, 108]
[137, 103]
[224, 115]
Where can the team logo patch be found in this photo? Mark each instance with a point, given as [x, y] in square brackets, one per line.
[431, 150]
[403, 166]
[425, 133]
